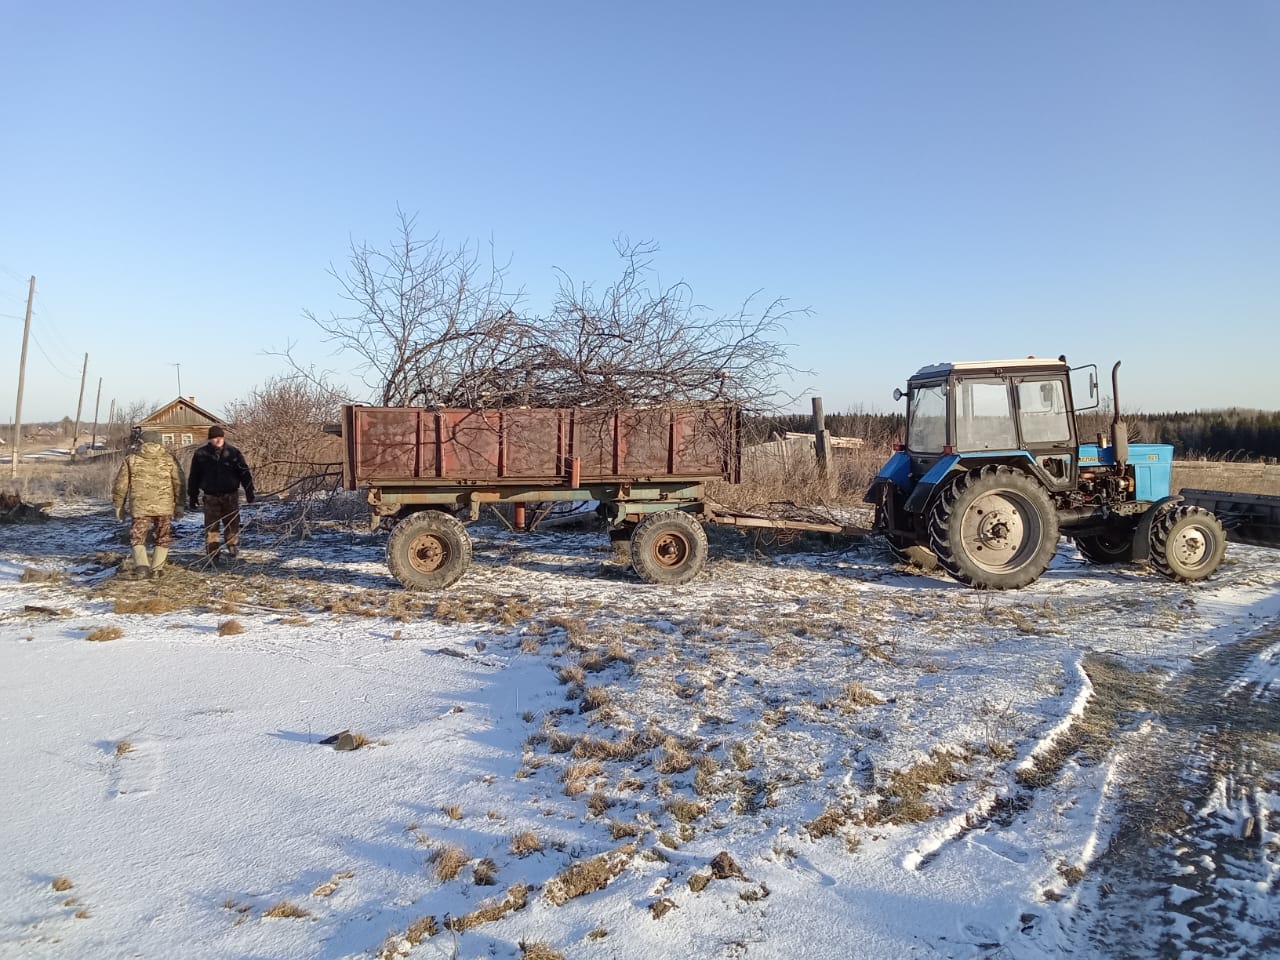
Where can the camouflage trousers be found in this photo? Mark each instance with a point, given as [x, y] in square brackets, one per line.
[141, 526]
[221, 513]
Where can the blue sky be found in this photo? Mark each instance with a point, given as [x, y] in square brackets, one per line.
[934, 181]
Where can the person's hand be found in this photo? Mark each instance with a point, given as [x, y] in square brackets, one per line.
[120, 513]
[177, 511]
[192, 504]
[248, 496]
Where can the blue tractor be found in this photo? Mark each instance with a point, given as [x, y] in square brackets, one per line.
[994, 471]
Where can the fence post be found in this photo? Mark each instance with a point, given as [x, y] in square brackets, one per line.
[822, 447]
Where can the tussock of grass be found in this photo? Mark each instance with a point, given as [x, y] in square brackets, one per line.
[685, 811]
[525, 843]
[903, 800]
[828, 823]
[674, 759]
[103, 634]
[123, 747]
[572, 673]
[538, 951]
[588, 876]
[855, 695]
[327, 888]
[485, 873]
[598, 803]
[284, 910]
[449, 861]
[517, 897]
[453, 811]
[230, 627]
[62, 884]
[593, 699]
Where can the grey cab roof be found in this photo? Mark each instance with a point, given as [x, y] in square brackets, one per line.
[936, 371]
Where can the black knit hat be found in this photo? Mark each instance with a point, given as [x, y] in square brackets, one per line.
[216, 432]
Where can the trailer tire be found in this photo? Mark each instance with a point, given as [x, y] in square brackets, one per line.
[1105, 548]
[668, 548]
[911, 554]
[429, 550]
[1187, 543]
[993, 529]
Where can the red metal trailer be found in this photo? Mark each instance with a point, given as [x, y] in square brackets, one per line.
[647, 468]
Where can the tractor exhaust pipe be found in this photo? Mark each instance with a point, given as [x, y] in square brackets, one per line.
[1119, 429]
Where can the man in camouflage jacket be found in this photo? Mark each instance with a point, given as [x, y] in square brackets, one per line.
[150, 482]
[219, 471]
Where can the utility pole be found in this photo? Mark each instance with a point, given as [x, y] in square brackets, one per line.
[179, 366]
[95, 407]
[75, 431]
[22, 377]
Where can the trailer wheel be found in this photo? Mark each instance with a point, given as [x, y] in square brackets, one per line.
[1106, 547]
[1187, 543]
[994, 529]
[430, 550]
[669, 548]
[911, 554]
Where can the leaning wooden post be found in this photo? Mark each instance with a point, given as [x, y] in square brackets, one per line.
[822, 446]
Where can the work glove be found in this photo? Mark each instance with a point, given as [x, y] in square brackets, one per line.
[120, 513]
[192, 504]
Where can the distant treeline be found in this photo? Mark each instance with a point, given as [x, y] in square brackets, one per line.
[1220, 434]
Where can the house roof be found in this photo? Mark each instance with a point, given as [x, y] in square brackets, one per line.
[182, 410]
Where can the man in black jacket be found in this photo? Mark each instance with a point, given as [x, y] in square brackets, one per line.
[218, 470]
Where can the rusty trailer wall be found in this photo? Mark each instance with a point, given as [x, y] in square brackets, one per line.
[562, 446]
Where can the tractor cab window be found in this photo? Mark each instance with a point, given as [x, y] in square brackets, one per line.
[984, 420]
[1042, 409]
[927, 419]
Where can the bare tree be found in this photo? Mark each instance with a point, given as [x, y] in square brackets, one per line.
[280, 428]
[432, 326]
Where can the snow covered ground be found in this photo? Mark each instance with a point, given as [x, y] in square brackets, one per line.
[558, 757]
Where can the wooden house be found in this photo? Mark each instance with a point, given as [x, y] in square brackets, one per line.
[181, 423]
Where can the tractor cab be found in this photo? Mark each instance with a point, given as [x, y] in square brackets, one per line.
[996, 411]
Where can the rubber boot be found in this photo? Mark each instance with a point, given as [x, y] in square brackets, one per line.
[140, 566]
[157, 561]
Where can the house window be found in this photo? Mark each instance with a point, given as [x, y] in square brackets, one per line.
[166, 439]
[186, 439]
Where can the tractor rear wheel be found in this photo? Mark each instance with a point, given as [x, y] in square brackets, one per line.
[1187, 543]
[911, 554]
[429, 550]
[1106, 547]
[669, 548]
[994, 529]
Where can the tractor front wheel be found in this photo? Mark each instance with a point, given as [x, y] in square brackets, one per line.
[993, 529]
[668, 548]
[1187, 543]
[430, 550]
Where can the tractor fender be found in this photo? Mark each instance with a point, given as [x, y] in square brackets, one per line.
[919, 497]
[896, 470]
[1142, 534]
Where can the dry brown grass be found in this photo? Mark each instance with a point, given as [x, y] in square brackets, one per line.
[150, 605]
[453, 811]
[594, 698]
[685, 811]
[327, 888]
[103, 634]
[485, 873]
[538, 951]
[588, 876]
[903, 793]
[230, 627]
[123, 747]
[525, 843]
[449, 861]
[516, 898]
[855, 696]
[284, 910]
[62, 884]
